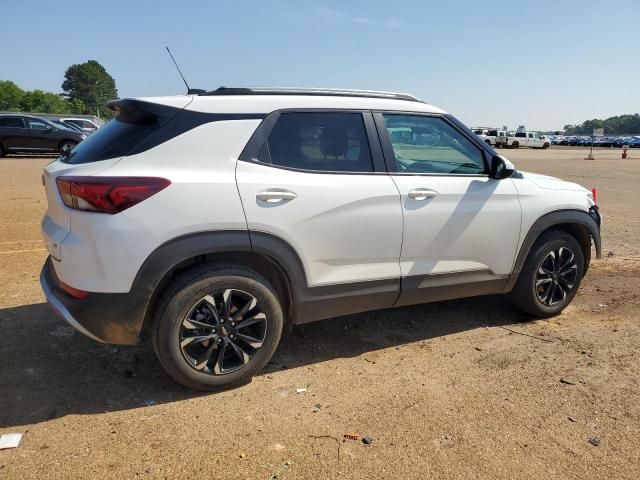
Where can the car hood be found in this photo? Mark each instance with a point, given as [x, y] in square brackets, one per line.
[551, 183]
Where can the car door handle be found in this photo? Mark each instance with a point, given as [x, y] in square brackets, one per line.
[422, 193]
[275, 195]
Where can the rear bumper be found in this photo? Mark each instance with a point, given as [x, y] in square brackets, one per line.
[104, 317]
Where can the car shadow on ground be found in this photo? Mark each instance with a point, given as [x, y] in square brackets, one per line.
[49, 370]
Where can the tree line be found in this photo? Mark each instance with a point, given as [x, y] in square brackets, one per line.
[622, 124]
[87, 87]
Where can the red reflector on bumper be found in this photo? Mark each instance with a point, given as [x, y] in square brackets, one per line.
[74, 292]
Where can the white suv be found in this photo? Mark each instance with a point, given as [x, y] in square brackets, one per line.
[219, 219]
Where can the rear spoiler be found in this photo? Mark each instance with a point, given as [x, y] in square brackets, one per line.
[141, 112]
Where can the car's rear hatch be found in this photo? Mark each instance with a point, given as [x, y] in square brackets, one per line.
[136, 120]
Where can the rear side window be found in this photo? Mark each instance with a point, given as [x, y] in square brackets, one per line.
[326, 141]
[521, 135]
[11, 122]
[114, 139]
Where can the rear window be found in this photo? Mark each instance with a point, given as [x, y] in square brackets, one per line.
[114, 139]
[521, 135]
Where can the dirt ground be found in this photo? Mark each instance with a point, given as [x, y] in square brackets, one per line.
[462, 389]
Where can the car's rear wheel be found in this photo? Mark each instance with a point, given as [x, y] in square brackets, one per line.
[66, 146]
[546, 145]
[551, 275]
[515, 144]
[216, 327]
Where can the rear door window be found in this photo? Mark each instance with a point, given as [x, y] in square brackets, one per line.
[11, 122]
[318, 141]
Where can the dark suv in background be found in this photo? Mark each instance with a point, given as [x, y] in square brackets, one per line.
[23, 133]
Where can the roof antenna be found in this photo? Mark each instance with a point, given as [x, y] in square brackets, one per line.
[190, 91]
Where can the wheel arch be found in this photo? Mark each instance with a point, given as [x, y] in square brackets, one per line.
[577, 223]
[267, 255]
[61, 142]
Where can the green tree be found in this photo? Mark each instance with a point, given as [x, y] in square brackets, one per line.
[39, 101]
[620, 125]
[10, 96]
[90, 84]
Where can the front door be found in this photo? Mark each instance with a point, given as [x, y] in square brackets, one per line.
[316, 184]
[41, 135]
[461, 228]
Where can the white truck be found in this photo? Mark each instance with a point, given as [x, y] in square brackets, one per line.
[494, 137]
[529, 139]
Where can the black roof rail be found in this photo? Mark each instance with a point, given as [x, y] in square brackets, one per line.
[324, 92]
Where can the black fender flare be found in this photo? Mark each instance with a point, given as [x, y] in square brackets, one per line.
[588, 220]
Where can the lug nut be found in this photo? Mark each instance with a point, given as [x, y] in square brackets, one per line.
[233, 324]
[222, 320]
[219, 340]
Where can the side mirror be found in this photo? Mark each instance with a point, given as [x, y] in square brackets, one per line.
[501, 168]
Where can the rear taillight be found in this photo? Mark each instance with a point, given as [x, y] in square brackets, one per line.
[107, 194]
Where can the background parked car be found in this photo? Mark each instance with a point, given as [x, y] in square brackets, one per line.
[86, 125]
[24, 133]
[67, 125]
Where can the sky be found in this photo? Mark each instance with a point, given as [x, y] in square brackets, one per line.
[542, 64]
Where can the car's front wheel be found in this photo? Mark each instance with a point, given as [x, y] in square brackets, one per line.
[217, 326]
[551, 275]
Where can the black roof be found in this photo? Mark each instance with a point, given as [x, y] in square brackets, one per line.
[325, 92]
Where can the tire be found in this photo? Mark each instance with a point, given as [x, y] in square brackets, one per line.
[542, 301]
[545, 146]
[515, 144]
[1, 151]
[488, 142]
[66, 145]
[185, 311]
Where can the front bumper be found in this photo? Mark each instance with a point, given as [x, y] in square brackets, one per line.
[104, 317]
[594, 212]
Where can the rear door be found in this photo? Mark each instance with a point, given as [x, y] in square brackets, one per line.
[461, 228]
[13, 133]
[317, 183]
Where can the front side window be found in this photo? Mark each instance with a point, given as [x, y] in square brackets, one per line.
[324, 141]
[37, 124]
[423, 144]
